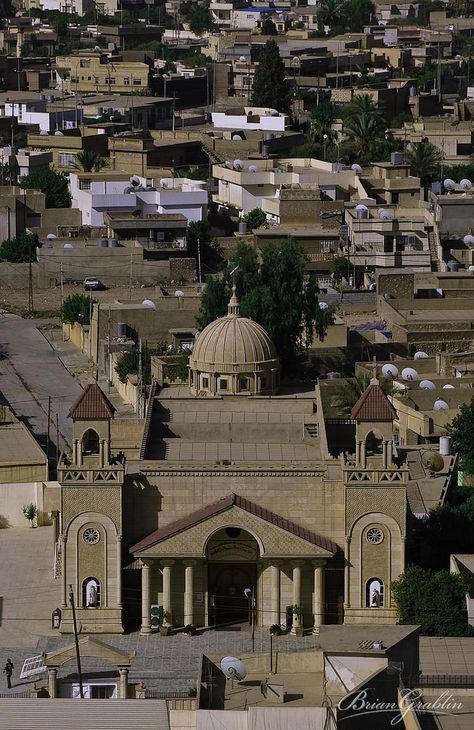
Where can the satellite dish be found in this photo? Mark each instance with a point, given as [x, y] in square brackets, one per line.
[237, 137]
[468, 240]
[238, 165]
[248, 592]
[432, 460]
[68, 245]
[148, 303]
[427, 385]
[409, 374]
[323, 305]
[51, 237]
[135, 180]
[440, 405]
[252, 168]
[242, 59]
[448, 386]
[356, 168]
[372, 287]
[449, 184]
[471, 268]
[233, 668]
[361, 206]
[466, 184]
[58, 133]
[179, 293]
[44, 133]
[389, 370]
[384, 214]
[420, 355]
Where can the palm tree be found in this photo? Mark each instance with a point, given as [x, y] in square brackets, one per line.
[424, 160]
[89, 161]
[330, 12]
[363, 130]
[350, 390]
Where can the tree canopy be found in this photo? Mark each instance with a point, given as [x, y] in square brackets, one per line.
[424, 160]
[200, 19]
[275, 293]
[89, 161]
[270, 88]
[255, 218]
[268, 27]
[52, 183]
[76, 308]
[461, 430]
[20, 249]
[435, 600]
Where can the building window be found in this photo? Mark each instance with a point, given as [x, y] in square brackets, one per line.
[223, 384]
[66, 159]
[374, 535]
[111, 80]
[91, 535]
[85, 64]
[85, 184]
[205, 382]
[137, 82]
[91, 593]
[325, 246]
[263, 382]
[126, 81]
[90, 442]
[374, 593]
[244, 384]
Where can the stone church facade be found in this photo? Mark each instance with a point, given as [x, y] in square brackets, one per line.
[235, 490]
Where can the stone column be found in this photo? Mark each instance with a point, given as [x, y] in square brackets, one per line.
[123, 683]
[205, 586]
[167, 564]
[275, 599]
[358, 450]
[297, 621]
[318, 595]
[385, 454]
[363, 461]
[146, 602]
[63, 572]
[119, 570]
[52, 681]
[79, 452]
[347, 574]
[102, 452]
[189, 591]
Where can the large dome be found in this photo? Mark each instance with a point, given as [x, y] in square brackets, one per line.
[233, 345]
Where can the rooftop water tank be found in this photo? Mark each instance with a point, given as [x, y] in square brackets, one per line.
[121, 329]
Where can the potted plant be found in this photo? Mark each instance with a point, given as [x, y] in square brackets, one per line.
[298, 613]
[165, 626]
[189, 630]
[30, 511]
[275, 630]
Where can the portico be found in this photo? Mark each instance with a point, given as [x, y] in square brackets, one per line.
[199, 567]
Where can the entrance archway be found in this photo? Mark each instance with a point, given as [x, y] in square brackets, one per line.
[232, 567]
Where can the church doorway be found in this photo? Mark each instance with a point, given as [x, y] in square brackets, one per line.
[232, 567]
[227, 601]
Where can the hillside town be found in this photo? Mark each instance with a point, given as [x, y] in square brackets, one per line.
[237, 364]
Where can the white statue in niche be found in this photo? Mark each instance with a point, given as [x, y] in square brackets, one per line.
[375, 594]
[91, 594]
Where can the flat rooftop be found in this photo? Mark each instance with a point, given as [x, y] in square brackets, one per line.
[17, 446]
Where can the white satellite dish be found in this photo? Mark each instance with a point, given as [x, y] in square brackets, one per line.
[420, 355]
[449, 184]
[135, 180]
[58, 133]
[242, 59]
[323, 305]
[468, 240]
[440, 405]
[448, 386]
[471, 268]
[44, 133]
[51, 237]
[384, 215]
[373, 286]
[389, 370]
[238, 165]
[179, 293]
[252, 168]
[409, 374]
[465, 184]
[361, 206]
[427, 385]
[233, 668]
[237, 137]
[356, 168]
[148, 303]
[68, 245]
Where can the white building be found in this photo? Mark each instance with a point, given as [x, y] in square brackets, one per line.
[253, 118]
[36, 112]
[96, 193]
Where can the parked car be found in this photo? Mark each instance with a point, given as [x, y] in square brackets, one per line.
[92, 282]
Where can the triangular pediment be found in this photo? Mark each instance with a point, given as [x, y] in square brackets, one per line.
[89, 647]
[276, 536]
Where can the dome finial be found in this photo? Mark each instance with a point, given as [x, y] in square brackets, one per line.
[234, 305]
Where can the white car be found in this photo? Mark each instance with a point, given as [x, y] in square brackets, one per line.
[91, 282]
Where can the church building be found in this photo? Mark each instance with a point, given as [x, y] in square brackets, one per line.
[235, 505]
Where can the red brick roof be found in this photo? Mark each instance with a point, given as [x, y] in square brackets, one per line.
[221, 506]
[373, 405]
[92, 403]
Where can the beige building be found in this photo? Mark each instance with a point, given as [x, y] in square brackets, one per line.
[234, 488]
[100, 72]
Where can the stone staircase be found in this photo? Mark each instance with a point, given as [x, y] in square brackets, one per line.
[433, 244]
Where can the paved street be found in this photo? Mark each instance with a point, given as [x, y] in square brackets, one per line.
[30, 371]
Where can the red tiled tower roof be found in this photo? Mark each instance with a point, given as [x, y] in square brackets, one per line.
[373, 405]
[92, 403]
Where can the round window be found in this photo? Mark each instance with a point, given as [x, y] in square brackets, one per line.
[91, 535]
[374, 536]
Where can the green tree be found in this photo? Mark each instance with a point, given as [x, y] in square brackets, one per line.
[424, 160]
[200, 19]
[339, 269]
[364, 125]
[274, 293]
[461, 430]
[322, 118]
[89, 161]
[435, 600]
[20, 249]
[330, 13]
[52, 183]
[255, 218]
[268, 27]
[270, 88]
[76, 308]
[357, 13]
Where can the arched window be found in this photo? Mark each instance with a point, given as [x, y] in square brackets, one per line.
[90, 442]
[91, 593]
[374, 593]
[373, 443]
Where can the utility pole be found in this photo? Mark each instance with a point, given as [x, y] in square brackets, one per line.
[76, 641]
[30, 284]
[199, 259]
[58, 450]
[48, 436]
[140, 379]
[130, 278]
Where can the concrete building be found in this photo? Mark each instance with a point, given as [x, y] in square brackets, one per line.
[97, 193]
[101, 72]
[21, 458]
[37, 113]
[245, 119]
[64, 148]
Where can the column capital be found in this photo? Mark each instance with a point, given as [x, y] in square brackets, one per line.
[319, 562]
[270, 563]
[297, 563]
[167, 563]
[146, 562]
[189, 563]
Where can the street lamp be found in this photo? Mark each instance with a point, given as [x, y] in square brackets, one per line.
[325, 139]
[250, 595]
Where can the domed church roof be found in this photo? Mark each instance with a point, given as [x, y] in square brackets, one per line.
[233, 343]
